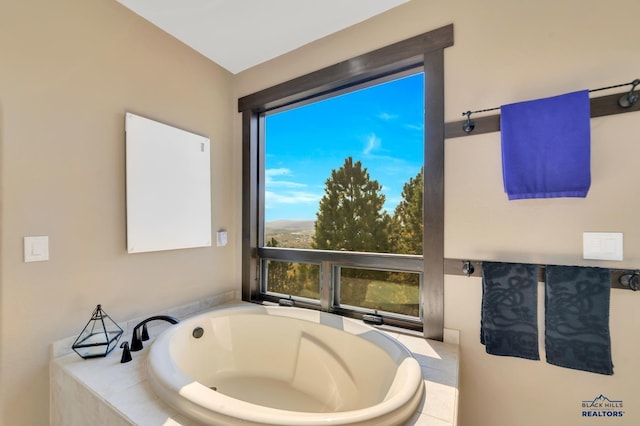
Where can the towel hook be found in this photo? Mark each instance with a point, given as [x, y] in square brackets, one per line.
[631, 280]
[628, 99]
[468, 126]
[467, 268]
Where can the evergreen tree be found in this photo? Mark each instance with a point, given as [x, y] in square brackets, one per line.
[292, 278]
[407, 227]
[280, 275]
[407, 223]
[350, 215]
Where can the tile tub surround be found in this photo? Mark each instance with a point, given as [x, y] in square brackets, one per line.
[106, 392]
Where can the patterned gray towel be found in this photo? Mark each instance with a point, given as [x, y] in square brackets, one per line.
[509, 320]
[577, 318]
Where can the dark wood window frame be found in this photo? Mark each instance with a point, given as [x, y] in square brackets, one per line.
[424, 51]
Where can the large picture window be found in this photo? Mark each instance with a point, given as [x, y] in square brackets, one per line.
[345, 174]
[343, 187]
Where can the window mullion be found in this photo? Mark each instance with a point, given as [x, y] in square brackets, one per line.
[433, 197]
[326, 285]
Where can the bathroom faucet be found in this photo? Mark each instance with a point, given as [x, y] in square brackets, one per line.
[136, 338]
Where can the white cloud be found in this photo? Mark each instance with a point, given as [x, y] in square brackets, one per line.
[289, 192]
[373, 144]
[284, 184]
[269, 175]
[419, 127]
[282, 171]
[386, 116]
[292, 197]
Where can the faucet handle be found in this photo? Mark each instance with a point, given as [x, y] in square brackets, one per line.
[136, 342]
[145, 332]
[126, 353]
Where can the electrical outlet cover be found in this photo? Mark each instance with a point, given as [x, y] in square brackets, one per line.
[602, 245]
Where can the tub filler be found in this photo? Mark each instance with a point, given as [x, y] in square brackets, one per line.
[259, 365]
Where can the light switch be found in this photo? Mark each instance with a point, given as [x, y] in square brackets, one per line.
[221, 238]
[36, 249]
[602, 245]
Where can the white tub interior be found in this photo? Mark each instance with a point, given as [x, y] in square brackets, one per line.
[275, 365]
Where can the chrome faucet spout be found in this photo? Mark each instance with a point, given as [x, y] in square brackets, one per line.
[136, 339]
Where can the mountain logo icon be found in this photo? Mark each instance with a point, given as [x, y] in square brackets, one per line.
[601, 401]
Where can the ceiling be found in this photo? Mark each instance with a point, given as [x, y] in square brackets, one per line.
[238, 34]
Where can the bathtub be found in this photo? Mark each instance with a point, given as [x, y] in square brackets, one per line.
[258, 365]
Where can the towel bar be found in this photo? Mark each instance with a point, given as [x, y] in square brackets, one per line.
[605, 105]
[628, 279]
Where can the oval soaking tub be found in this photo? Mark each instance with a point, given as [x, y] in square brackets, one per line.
[258, 365]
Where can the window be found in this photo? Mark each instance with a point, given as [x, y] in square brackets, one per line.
[345, 174]
[376, 263]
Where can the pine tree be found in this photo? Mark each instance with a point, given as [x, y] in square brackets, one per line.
[292, 278]
[406, 228]
[407, 223]
[350, 215]
[281, 275]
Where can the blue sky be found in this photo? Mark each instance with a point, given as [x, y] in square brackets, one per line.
[381, 126]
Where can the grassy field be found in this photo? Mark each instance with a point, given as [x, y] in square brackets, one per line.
[401, 298]
[381, 295]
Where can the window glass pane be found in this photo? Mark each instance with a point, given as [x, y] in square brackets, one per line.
[345, 173]
[389, 291]
[293, 279]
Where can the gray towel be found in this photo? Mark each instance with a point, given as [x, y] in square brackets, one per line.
[577, 318]
[509, 324]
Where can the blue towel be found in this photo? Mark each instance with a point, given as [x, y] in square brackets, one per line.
[546, 147]
[509, 324]
[577, 318]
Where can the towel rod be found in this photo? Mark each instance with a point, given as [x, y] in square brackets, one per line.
[620, 278]
[624, 102]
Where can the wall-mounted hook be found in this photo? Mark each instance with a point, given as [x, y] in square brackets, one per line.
[467, 268]
[468, 125]
[628, 99]
[630, 280]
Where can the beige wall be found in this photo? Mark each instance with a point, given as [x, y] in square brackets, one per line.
[69, 70]
[507, 51]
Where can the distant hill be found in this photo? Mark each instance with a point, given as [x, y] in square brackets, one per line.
[290, 226]
[291, 233]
